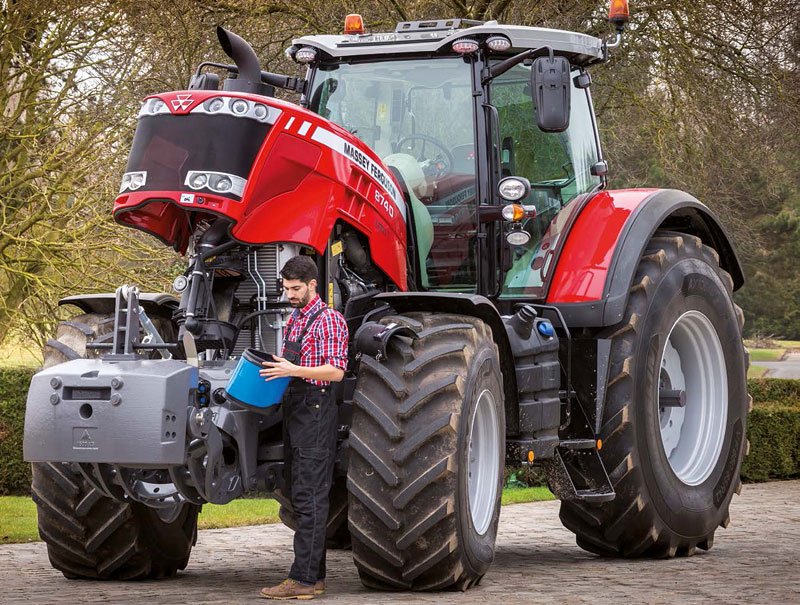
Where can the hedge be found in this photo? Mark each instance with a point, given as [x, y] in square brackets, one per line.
[774, 433]
[15, 475]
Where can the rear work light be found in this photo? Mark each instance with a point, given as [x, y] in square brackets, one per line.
[353, 24]
[466, 46]
[498, 43]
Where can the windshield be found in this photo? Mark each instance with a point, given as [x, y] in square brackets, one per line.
[418, 117]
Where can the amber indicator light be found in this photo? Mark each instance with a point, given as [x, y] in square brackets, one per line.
[354, 24]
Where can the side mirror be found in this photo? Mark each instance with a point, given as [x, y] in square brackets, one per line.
[550, 84]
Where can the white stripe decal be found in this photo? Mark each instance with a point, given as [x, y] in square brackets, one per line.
[304, 129]
[289, 123]
[339, 145]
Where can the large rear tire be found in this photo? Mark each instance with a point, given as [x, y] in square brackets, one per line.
[427, 446]
[674, 469]
[91, 536]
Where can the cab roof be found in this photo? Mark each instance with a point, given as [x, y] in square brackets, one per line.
[421, 37]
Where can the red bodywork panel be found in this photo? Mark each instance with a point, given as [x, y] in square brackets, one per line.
[308, 174]
[582, 268]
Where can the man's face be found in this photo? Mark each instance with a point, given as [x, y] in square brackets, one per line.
[299, 293]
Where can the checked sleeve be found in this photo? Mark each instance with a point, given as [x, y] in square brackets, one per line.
[331, 335]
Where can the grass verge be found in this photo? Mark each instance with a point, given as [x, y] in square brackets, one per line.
[756, 371]
[18, 513]
[766, 354]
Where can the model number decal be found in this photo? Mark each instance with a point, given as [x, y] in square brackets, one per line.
[384, 203]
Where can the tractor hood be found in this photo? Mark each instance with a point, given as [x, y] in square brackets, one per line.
[276, 171]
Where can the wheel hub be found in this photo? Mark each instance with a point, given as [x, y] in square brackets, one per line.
[483, 461]
[693, 362]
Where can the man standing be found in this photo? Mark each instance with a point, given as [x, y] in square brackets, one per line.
[314, 356]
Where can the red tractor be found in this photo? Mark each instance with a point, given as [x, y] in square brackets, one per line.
[505, 308]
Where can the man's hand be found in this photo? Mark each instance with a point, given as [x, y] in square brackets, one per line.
[280, 368]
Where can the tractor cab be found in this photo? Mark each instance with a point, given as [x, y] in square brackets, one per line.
[451, 107]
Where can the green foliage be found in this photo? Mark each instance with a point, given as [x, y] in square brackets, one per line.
[15, 475]
[774, 434]
[766, 390]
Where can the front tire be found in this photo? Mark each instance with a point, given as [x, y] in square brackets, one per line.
[674, 469]
[91, 536]
[427, 447]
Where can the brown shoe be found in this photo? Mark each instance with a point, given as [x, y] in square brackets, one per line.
[289, 589]
[319, 587]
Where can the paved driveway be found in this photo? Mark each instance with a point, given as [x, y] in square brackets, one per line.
[753, 561]
[787, 368]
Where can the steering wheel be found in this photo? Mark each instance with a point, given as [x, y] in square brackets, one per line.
[438, 166]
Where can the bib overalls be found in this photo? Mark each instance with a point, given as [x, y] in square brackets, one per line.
[309, 438]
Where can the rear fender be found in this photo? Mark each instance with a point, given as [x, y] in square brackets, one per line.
[596, 267]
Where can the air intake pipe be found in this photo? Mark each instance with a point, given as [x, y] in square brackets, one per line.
[247, 63]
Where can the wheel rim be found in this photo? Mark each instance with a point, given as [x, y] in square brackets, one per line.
[693, 362]
[484, 458]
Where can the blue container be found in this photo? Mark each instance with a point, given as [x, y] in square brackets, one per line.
[246, 387]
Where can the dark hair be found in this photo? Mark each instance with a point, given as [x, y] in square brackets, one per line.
[300, 267]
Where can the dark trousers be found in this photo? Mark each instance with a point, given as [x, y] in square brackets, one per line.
[310, 418]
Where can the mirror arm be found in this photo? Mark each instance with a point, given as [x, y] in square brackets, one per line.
[499, 69]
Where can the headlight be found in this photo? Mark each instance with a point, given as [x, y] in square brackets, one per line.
[219, 182]
[518, 237]
[133, 180]
[513, 188]
[214, 105]
[240, 107]
[198, 181]
[158, 106]
[153, 107]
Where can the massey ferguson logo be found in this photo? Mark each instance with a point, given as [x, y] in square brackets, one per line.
[181, 102]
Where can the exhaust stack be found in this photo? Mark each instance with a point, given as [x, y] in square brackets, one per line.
[244, 56]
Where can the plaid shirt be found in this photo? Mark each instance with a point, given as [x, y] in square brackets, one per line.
[325, 341]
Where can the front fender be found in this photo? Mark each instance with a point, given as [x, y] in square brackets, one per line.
[596, 267]
[154, 304]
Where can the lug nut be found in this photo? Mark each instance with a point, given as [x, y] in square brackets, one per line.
[116, 399]
[55, 382]
[116, 382]
[54, 398]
